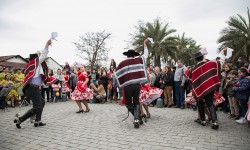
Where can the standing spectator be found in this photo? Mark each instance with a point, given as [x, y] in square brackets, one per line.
[242, 92]
[227, 68]
[179, 82]
[151, 73]
[110, 84]
[67, 68]
[233, 102]
[73, 81]
[61, 79]
[45, 89]
[168, 81]
[94, 76]
[174, 98]
[113, 63]
[158, 82]
[51, 74]
[104, 79]
[65, 84]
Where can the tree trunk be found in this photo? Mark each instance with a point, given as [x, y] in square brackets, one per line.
[157, 61]
[248, 55]
[148, 62]
[93, 60]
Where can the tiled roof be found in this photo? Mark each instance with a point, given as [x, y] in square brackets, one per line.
[12, 64]
[3, 58]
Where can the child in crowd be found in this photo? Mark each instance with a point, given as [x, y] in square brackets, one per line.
[242, 92]
[233, 102]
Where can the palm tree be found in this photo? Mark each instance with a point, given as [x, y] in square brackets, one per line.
[161, 34]
[186, 47]
[237, 36]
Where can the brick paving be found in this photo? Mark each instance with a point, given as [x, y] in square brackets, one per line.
[102, 128]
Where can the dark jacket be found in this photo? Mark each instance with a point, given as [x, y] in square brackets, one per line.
[229, 87]
[158, 77]
[242, 90]
[168, 79]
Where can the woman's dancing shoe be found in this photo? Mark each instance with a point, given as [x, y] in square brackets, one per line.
[80, 111]
[148, 115]
[87, 110]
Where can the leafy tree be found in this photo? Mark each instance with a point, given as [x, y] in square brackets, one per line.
[186, 47]
[162, 36]
[92, 47]
[237, 36]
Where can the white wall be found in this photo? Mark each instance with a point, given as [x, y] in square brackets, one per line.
[53, 65]
[16, 60]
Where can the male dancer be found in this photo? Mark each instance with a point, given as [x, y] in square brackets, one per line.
[205, 80]
[129, 74]
[36, 72]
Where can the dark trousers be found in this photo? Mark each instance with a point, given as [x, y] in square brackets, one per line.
[2, 102]
[38, 103]
[132, 93]
[209, 103]
[56, 97]
[244, 107]
[106, 90]
[179, 94]
[225, 103]
[47, 93]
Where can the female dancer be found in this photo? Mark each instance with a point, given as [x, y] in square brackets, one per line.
[148, 94]
[82, 93]
[65, 86]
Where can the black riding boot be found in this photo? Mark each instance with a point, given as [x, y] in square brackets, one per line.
[27, 115]
[130, 109]
[136, 116]
[213, 117]
[200, 105]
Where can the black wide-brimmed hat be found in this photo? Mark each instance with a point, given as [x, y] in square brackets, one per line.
[131, 53]
[33, 56]
[196, 55]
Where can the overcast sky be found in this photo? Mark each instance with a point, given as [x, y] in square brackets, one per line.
[25, 25]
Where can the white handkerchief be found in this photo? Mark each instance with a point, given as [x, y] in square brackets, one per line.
[54, 35]
[203, 51]
[151, 40]
[229, 52]
[77, 64]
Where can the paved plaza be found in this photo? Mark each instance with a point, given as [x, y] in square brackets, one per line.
[102, 128]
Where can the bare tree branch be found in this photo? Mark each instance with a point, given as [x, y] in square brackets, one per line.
[92, 47]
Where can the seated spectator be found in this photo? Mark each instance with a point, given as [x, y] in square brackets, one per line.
[101, 94]
[12, 95]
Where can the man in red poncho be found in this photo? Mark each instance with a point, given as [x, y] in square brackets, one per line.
[129, 75]
[36, 72]
[205, 80]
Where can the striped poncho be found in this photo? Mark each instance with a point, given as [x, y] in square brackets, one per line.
[131, 71]
[205, 78]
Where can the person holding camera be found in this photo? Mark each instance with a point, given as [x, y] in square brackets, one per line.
[100, 91]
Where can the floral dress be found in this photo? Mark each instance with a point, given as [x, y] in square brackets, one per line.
[12, 93]
[149, 94]
[19, 85]
[65, 86]
[82, 92]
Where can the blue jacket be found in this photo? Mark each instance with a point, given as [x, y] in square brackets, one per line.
[242, 91]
